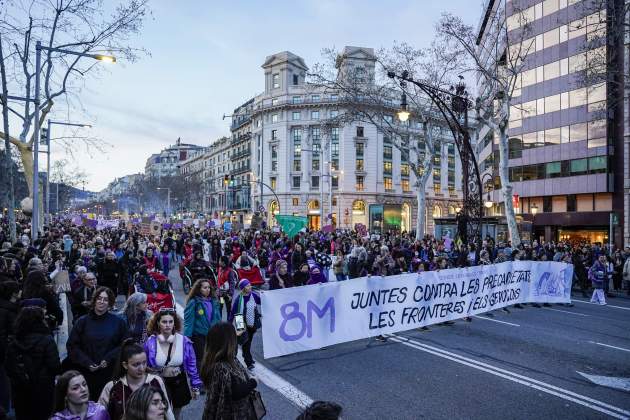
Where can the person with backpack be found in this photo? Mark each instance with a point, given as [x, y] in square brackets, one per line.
[32, 362]
[130, 374]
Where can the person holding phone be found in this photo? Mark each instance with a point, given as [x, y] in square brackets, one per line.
[246, 316]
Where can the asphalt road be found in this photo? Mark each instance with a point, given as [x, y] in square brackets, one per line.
[524, 364]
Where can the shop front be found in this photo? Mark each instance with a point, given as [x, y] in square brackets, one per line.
[389, 218]
[574, 227]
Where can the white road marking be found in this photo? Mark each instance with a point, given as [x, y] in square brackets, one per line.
[566, 312]
[565, 394]
[608, 345]
[280, 385]
[609, 306]
[495, 320]
[608, 381]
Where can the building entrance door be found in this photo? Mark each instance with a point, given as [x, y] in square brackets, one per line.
[313, 222]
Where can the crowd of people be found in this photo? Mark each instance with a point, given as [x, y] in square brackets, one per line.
[125, 361]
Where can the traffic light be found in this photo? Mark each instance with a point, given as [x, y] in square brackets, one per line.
[226, 180]
[43, 136]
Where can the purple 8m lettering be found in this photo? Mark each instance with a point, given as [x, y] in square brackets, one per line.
[291, 312]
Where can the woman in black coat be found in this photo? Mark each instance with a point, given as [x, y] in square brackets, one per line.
[9, 291]
[95, 340]
[32, 363]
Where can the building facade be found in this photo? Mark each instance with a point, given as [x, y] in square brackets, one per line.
[167, 162]
[195, 172]
[348, 175]
[567, 160]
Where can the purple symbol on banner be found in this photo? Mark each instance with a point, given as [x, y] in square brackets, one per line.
[177, 225]
[210, 223]
[166, 226]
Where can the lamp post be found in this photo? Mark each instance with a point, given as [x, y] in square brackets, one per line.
[453, 106]
[48, 140]
[38, 64]
[168, 199]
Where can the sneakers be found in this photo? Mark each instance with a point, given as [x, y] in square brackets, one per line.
[490, 315]
[519, 306]
[506, 310]
[381, 338]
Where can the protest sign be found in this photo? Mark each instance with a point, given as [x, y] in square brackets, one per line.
[310, 317]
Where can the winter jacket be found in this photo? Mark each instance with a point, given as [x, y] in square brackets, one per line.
[94, 412]
[42, 350]
[190, 361]
[95, 338]
[195, 317]
[8, 313]
[598, 275]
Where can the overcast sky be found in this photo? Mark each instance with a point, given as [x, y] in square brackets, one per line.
[205, 60]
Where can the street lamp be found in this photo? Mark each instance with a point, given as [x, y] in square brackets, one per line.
[458, 209]
[48, 140]
[38, 65]
[403, 113]
[534, 209]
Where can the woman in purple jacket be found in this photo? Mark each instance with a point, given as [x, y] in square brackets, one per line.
[172, 356]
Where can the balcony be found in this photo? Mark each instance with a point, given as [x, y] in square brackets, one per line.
[240, 122]
[242, 153]
[241, 138]
[240, 170]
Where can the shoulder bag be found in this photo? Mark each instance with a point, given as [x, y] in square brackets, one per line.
[177, 386]
[258, 406]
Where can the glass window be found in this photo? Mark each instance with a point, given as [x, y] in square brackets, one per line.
[597, 142]
[405, 185]
[552, 70]
[577, 28]
[387, 167]
[387, 152]
[404, 169]
[549, 7]
[515, 147]
[577, 97]
[516, 174]
[315, 115]
[552, 103]
[315, 98]
[571, 202]
[276, 81]
[314, 182]
[551, 37]
[334, 113]
[530, 172]
[564, 66]
[360, 166]
[564, 100]
[552, 136]
[547, 204]
[296, 80]
[296, 182]
[274, 118]
[564, 134]
[564, 33]
[296, 115]
[540, 106]
[272, 182]
[359, 184]
[297, 134]
[596, 129]
[553, 170]
[597, 165]
[578, 166]
[388, 183]
[295, 201]
[597, 93]
[578, 132]
[529, 77]
[529, 140]
[360, 147]
[577, 62]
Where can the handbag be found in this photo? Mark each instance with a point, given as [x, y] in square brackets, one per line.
[177, 386]
[258, 406]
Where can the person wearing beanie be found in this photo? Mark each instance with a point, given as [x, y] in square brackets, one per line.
[246, 304]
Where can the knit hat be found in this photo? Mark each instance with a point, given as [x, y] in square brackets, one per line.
[243, 284]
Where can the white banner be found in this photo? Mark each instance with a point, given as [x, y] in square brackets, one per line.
[310, 317]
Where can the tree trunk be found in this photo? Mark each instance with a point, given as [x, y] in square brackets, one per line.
[7, 150]
[26, 156]
[506, 187]
[421, 184]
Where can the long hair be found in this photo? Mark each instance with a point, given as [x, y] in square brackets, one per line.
[30, 320]
[34, 285]
[128, 349]
[195, 290]
[154, 323]
[131, 307]
[140, 400]
[221, 346]
[61, 388]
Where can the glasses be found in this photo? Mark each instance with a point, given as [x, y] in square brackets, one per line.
[102, 299]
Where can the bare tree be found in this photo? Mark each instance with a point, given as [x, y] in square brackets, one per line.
[80, 26]
[374, 98]
[498, 65]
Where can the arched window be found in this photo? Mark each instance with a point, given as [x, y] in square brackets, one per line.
[313, 205]
[358, 207]
[274, 208]
[451, 210]
[437, 211]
